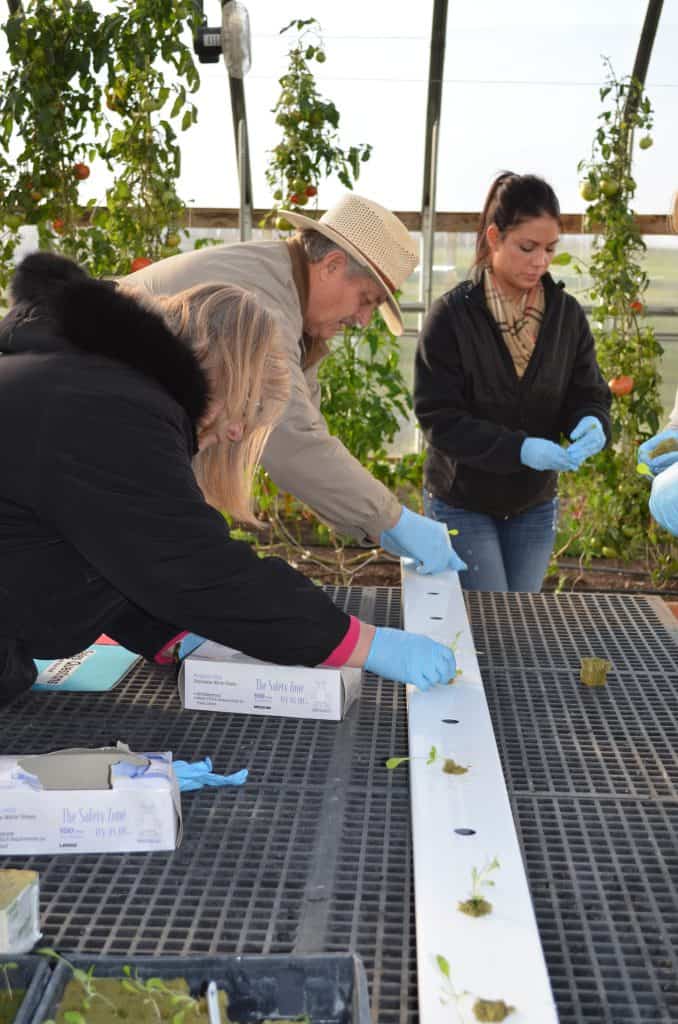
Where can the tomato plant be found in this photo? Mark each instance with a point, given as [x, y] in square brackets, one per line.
[606, 501]
[309, 149]
[69, 65]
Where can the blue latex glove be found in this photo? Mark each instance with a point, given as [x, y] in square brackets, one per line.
[538, 453]
[589, 439]
[189, 644]
[197, 774]
[425, 540]
[410, 658]
[664, 499]
[661, 462]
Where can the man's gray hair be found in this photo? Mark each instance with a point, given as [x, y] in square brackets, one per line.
[316, 246]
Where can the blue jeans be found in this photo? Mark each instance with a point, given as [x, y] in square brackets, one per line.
[502, 553]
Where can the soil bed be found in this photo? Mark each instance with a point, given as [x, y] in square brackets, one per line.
[601, 576]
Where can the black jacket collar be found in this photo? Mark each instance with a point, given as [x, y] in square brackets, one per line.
[58, 307]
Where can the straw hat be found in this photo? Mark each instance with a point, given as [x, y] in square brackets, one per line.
[374, 237]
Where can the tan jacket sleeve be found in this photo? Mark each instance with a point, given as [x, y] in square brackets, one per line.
[303, 458]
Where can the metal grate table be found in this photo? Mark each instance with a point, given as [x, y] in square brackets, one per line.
[314, 852]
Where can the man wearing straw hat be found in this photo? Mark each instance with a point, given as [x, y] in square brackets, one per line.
[333, 273]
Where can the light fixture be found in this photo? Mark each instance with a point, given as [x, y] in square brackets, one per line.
[235, 38]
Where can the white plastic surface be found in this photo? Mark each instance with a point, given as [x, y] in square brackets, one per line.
[498, 956]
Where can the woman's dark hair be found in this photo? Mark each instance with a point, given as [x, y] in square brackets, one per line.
[512, 199]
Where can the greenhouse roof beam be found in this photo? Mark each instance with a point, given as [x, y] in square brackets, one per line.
[645, 44]
[433, 107]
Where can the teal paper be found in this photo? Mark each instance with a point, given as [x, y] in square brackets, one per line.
[98, 668]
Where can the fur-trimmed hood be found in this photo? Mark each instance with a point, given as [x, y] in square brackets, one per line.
[59, 307]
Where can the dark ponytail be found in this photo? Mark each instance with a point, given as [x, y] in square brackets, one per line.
[512, 199]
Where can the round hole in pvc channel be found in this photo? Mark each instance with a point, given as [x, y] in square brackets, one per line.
[450, 721]
[465, 831]
[438, 618]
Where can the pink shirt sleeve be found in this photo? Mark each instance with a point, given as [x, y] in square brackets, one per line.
[345, 649]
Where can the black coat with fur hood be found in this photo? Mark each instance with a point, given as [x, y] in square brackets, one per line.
[103, 527]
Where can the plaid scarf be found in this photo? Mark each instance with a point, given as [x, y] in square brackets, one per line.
[518, 321]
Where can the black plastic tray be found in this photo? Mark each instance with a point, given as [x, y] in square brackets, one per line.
[31, 974]
[330, 987]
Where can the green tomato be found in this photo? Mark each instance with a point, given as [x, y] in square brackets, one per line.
[645, 142]
[587, 190]
[298, 185]
[609, 187]
[282, 224]
[320, 57]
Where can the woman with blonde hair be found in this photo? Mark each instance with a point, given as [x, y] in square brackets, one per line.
[129, 423]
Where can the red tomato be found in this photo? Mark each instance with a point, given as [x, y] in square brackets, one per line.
[140, 262]
[58, 226]
[311, 191]
[81, 171]
[621, 385]
[637, 307]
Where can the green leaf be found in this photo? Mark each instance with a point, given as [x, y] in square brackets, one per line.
[644, 470]
[562, 259]
[443, 965]
[432, 755]
[393, 762]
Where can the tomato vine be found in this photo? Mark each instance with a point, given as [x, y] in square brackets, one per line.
[607, 500]
[84, 86]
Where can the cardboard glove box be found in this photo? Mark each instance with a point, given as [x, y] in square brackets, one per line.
[100, 800]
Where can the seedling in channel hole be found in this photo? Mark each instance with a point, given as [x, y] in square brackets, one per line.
[448, 766]
[476, 905]
[487, 1010]
[453, 648]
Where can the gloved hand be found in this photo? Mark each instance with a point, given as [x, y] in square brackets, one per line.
[538, 453]
[589, 439]
[410, 658]
[664, 499]
[425, 540]
[658, 463]
[197, 774]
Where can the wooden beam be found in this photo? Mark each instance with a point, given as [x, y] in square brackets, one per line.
[225, 217]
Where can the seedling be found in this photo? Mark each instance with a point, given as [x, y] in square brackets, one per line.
[482, 1009]
[448, 765]
[6, 968]
[453, 648]
[162, 999]
[593, 671]
[476, 905]
[10, 998]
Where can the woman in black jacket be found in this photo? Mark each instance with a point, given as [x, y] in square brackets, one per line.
[505, 366]
[126, 422]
